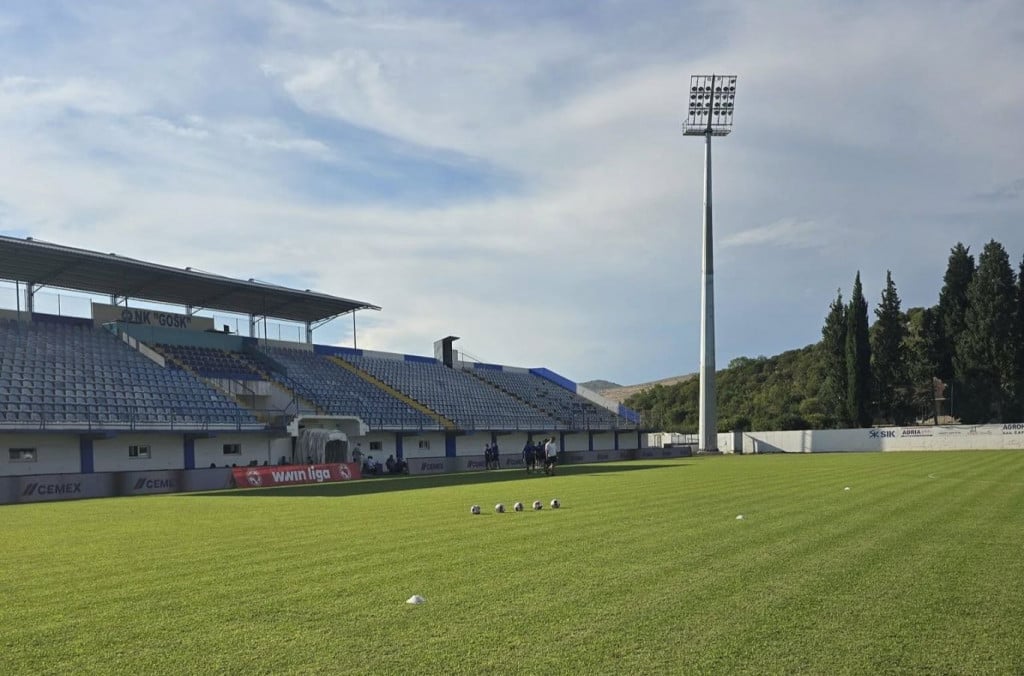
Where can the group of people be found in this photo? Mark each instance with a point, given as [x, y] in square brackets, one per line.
[544, 453]
[491, 458]
[391, 466]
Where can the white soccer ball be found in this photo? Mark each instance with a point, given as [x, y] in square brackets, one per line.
[537, 504]
[518, 506]
[499, 508]
[555, 504]
[475, 509]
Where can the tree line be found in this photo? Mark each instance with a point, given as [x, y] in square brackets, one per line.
[960, 359]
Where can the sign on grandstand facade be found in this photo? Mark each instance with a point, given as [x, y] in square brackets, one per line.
[103, 314]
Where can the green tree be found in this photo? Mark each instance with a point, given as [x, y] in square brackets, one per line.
[986, 349]
[858, 359]
[888, 357]
[833, 344]
[923, 344]
[1019, 341]
[953, 305]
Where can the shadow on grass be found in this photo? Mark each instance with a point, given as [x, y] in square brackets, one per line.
[387, 484]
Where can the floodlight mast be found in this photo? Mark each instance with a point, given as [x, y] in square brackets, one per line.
[710, 114]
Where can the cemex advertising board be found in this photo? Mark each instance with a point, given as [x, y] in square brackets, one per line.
[291, 475]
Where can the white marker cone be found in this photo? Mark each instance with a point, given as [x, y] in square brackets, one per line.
[416, 600]
[847, 488]
[739, 517]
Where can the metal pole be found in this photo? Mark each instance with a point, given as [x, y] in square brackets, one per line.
[354, 346]
[708, 426]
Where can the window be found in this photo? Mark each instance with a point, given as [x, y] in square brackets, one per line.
[22, 454]
[138, 451]
[376, 445]
[424, 443]
[232, 449]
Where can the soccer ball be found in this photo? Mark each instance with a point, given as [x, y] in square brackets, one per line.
[499, 508]
[537, 504]
[555, 504]
[475, 509]
[518, 506]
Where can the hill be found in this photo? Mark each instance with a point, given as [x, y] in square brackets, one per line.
[600, 385]
[764, 393]
[621, 393]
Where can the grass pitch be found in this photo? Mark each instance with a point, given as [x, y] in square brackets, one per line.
[645, 569]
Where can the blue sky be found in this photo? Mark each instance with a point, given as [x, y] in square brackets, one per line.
[513, 173]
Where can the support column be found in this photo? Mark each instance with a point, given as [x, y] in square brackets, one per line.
[85, 454]
[309, 333]
[708, 432]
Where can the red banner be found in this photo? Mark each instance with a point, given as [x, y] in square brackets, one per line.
[290, 475]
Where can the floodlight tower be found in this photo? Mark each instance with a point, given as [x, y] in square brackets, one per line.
[710, 114]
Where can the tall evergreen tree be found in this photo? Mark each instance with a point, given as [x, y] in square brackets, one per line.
[1019, 340]
[986, 349]
[953, 304]
[888, 357]
[924, 349]
[833, 342]
[858, 359]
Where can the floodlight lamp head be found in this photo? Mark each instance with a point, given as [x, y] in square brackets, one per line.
[712, 98]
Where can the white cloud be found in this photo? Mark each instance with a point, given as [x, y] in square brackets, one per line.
[191, 137]
[789, 233]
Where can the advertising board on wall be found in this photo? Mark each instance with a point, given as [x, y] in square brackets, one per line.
[293, 475]
[428, 465]
[149, 483]
[47, 487]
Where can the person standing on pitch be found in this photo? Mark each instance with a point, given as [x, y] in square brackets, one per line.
[495, 458]
[551, 456]
[529, 458]
[487, 455]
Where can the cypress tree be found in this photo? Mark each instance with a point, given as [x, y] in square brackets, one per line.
[923, 346]
[888, 356]
[986, 349]
[833, 340]
[858, 359]
[953, 305]
[1019, 341]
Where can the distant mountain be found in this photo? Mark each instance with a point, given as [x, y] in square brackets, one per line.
[599, 385]
[621, 393]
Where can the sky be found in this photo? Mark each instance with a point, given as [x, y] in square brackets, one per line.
[513, 173]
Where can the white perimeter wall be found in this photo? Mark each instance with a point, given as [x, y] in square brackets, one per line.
[512, 444]
[927, 438]
[472, 443]
[55, 454]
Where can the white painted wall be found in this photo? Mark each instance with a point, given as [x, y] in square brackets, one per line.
[472, 443]
[410, 445]
[388, 445]
[577, 442]
[258, 447]
[512, 444]
[55, 454]
[604, 441]
[166, 451]
[926, 438]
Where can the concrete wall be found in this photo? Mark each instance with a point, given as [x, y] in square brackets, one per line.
[604, 441]
[577, 442]
[258, 447]
[925, 438]
[411, 449]
[55, 454]
[166, 451]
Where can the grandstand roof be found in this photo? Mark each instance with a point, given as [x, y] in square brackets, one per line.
[43, 263]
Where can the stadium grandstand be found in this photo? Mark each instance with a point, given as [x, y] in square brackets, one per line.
[130, 388]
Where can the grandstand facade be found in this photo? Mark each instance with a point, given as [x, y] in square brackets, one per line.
[129, 389]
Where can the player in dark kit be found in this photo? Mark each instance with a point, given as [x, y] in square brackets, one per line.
[538, 454]
[529, 458]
